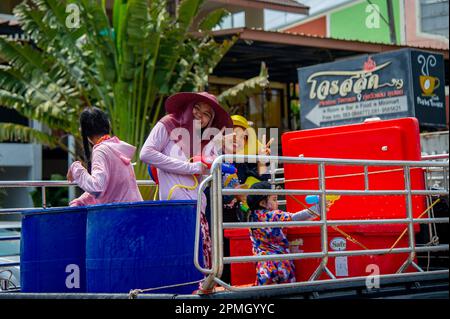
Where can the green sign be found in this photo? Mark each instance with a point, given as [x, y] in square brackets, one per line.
[365, 22]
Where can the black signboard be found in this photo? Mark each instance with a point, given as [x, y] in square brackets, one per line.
[428, 80]
[387, 85]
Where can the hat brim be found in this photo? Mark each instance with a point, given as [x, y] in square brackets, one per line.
[240, 124]
[176, 103]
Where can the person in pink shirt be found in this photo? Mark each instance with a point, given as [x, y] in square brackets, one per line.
[176, 139]
[109, 176]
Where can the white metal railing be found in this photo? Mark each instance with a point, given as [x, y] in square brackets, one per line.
[43, 185]
[217, 225]
[215, 181]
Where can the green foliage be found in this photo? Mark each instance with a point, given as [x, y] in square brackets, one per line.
[21, 133]
[126, 65]
[295, 110]
[55, 196]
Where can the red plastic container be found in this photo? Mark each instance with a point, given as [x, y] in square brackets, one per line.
[309, 241]
[241, 245]
[381, 140]
[351, 266]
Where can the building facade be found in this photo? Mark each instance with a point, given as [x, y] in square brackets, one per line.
[419, 23]
[18, 161]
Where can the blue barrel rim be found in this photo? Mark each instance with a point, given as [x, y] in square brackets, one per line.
[55, 210]
[143, 204]
[74, 209]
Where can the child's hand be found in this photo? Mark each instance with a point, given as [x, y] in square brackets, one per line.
[328, 205]
[265, 149]
[74, 165]
[69, 176]
[241, 198]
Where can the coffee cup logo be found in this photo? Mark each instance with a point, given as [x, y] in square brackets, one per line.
[428, 83]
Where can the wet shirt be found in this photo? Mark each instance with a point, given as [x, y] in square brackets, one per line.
[112, 179]
[271, 241]
[267, 241]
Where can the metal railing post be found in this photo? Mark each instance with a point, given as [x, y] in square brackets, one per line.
[216, 236]
[410, 219]
[445, 178]
[324, 229]
[366, 178]
[219, 222]
[197, 226]
[44, 197]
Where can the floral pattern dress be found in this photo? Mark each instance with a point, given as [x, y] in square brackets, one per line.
[271, 241]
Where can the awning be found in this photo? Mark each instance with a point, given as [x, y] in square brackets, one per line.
[284, 53]
[280, 5]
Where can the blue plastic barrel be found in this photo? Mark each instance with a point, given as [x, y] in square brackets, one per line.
[53, 250]
[141, 245]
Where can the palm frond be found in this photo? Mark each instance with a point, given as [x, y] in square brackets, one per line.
[241, 92]
[20, 133]
[126, 65]
[212, 19]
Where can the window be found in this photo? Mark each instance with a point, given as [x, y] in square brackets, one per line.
[277, 19]
[234, 20]
[434, 17]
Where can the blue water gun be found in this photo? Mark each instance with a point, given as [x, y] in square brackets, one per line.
[314, 199]
[228, 168]
[153, 174]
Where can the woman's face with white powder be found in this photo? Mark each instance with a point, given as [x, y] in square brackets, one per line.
[203, 112]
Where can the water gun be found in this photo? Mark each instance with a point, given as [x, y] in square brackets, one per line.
[226, 167]
[244, 207]
[314, 199]
[152, 171]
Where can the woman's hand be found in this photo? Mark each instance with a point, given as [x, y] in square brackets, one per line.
[201, 168]
[205, 169]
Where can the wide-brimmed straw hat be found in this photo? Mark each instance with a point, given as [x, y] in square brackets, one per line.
[176, 104]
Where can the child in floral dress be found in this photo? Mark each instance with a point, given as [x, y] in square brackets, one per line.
[273, 241]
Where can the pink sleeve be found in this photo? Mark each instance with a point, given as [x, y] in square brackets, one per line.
[84, 200]
[96, 182]
[151, 153]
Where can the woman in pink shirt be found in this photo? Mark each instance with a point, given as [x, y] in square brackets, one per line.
[109, 177]
[176, 139]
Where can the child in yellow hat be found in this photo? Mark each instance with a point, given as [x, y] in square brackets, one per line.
[247, 143]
